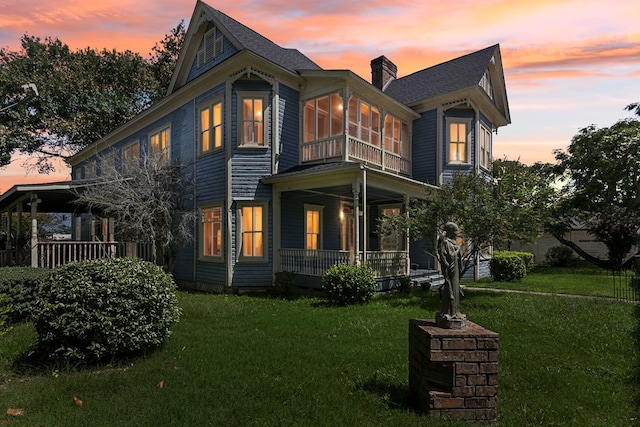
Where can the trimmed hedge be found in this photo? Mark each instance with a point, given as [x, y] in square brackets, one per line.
[349, 284]
[21, 284]
[99, 309]
[508, 266]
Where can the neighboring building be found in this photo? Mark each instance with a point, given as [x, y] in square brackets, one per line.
[294, 164]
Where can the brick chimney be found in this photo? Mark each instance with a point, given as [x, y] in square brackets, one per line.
[382, 71]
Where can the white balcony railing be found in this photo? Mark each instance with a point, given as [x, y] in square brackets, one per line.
[54, 254]
[332, 149]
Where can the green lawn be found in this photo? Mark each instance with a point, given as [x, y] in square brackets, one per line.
[589, 281]
[252, 361]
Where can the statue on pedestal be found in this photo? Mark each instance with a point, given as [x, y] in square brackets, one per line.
[448, 253]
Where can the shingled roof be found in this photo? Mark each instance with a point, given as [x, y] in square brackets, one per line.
[291, 59]
[440, 79]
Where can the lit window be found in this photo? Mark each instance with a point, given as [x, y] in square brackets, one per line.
[458, 139]
[130, 156]
[323, 117]
[252, 121]
[211, 127]
[160, 142]
[391, 241]
[313, 224]
[396, 136]
[364, 121]
[212, 231]
[252, 231]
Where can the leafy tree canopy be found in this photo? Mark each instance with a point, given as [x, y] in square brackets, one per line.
[82, 95]
[601, 170]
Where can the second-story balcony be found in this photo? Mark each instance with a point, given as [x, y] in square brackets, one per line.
[349, 148]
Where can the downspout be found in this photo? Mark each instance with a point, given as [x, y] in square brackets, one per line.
[195, 200]
[228, 201]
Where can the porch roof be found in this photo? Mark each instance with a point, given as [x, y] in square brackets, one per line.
[313, 176]
[53, 196]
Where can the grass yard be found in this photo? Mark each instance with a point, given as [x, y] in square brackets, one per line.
[589, 281]
[252, 361]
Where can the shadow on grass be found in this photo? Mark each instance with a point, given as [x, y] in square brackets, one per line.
[395, 395]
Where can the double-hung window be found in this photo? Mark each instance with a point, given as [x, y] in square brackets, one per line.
[458, 136]
[313, 227]
[130, 156]
[252, 231]
[485, 147]
[160, 142]
[211, 127]
[212, 231]
[252, 120]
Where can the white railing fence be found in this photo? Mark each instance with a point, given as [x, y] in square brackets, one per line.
[315, 263]
[54, 254]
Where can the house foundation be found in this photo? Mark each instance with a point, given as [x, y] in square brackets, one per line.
[453, 373]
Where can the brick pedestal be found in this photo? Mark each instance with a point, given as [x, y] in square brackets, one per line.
[453, 373]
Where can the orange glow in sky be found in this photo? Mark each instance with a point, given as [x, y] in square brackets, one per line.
[568, 63]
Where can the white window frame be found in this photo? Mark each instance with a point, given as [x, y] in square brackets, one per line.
[264, 232]
[212, 47]
[214, 143]
[396, 236]
[166, 150]
[127, 160]
[90, 170]
[203, 255]
[307, 233]
[241, 97]
[467, 142]
[485, 149]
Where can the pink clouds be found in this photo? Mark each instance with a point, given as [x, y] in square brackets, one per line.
[559, 52]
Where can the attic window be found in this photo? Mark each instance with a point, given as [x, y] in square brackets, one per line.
[485, 83]
[211, 48]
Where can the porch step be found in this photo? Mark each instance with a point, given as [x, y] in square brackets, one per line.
[427, 279]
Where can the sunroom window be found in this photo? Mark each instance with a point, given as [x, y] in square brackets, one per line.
[364, 121]
[323, 117]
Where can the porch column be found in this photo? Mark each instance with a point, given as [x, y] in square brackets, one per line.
[365, 228]
[407, 241]
[277, 231]
[34, 230]
[356, 221]
[19, 242]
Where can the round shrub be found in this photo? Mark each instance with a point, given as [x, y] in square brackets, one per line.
[507, 266]
[560, 256]
[105, 308]
[349, 284]
[20, 284]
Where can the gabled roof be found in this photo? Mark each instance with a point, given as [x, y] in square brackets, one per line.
[244, 37]
[448, 77]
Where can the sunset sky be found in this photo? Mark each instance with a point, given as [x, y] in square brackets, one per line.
[568, 64]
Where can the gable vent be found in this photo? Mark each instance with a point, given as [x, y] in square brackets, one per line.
[212, 47]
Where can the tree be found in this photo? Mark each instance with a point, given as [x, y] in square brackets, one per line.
[147, 199]
[601, 170]
[83, 94]
[511, 205]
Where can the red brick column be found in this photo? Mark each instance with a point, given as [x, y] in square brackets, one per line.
[453, 373]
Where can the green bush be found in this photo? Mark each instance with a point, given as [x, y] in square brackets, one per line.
[4, 314]
[21, 284]
[349, 284]
[507, 266]
[560, 256]
[528, 259]
[95, 310]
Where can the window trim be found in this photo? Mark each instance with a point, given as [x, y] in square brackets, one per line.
[485, 131]
[468, 140]
[397, 235]
[241, 97]
[240, 232]
[319, 243]
[125, 149]
[210, 106]
[157, 131]
[201, 233]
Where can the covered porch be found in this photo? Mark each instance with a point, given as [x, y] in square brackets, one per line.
[328, 214]
[22, 243]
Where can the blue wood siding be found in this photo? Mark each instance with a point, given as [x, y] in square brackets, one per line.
[289, 127]
[424, 147]
[293, 217]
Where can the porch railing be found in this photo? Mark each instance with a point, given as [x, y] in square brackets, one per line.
[357, 150]
[315, 263]
[54, 254]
